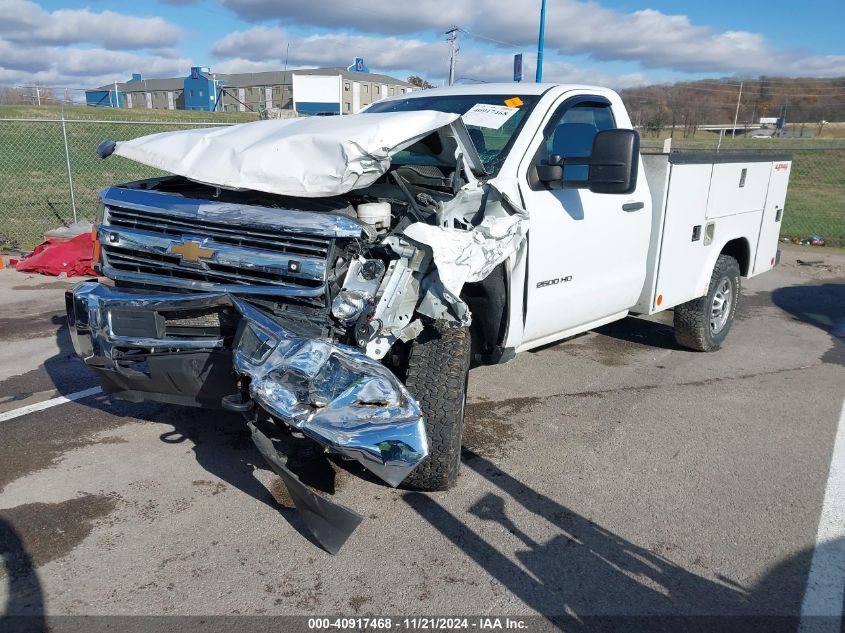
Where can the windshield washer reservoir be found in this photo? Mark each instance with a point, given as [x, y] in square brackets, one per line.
[375, 213]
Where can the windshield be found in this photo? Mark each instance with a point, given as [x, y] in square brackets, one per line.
[492, 143]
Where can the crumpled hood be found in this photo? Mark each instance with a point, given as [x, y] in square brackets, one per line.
[309, 157]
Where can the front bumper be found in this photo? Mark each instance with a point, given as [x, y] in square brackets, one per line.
[332, 393]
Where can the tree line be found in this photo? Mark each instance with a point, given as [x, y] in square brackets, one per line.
[684, 106]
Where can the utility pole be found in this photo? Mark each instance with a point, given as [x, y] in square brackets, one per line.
[38, 94]
[453, 51]
[785, 108]
[541, 43]
[736, 114]
[286, 78]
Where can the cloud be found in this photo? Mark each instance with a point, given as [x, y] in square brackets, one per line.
[262, 48]
[240, 65]
[330, 49]
[372, 16]
[27, 23]
[80, 67]
[573, 27]
[83, 48]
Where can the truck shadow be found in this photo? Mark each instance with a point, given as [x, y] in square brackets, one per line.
[578, 569]
[641, 332]
[24, 609]
[822, 306]
[66, 373]
[636, 330]
[222, 445]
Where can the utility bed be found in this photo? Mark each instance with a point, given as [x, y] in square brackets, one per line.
[695, 196]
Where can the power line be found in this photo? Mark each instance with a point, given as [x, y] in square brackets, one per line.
[760, 86]
[736, 82]
[774, 80]
[491, 39]
[769, 93]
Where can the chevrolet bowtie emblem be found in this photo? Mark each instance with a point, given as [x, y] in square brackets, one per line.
[191, 251]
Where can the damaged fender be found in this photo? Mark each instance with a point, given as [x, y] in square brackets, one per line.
[467, 255]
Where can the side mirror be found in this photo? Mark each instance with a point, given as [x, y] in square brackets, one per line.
[614, 162]
[552, 172]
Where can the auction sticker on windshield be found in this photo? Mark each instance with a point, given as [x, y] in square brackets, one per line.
[488, 115]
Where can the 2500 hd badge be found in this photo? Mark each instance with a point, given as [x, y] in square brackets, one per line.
[553, 282]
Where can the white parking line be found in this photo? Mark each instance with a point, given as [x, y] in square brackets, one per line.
[826, 582]
[46, 404]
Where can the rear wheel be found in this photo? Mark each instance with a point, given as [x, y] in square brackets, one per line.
[702, 324]
[436, 375]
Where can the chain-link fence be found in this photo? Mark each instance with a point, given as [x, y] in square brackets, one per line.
[50, 174]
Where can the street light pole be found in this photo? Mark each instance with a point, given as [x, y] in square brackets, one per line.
[541, 43]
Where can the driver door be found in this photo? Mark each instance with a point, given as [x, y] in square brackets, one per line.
[587, 252]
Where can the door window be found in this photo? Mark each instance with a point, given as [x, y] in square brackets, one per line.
[570, 135]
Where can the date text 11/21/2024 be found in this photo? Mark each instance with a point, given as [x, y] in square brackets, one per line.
[482, 623]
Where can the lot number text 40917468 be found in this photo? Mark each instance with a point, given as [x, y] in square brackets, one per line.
[484, 623]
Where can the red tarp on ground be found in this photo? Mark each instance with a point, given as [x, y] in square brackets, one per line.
[72, 257]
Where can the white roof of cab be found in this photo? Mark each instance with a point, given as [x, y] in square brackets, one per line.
[507, 88]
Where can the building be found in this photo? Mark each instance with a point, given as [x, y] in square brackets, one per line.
[309, 91]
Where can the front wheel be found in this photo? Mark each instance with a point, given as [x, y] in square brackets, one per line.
[437, 370]
[702, 324]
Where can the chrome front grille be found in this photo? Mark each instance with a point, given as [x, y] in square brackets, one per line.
[170, 266]
[168, 240]
[275, 241]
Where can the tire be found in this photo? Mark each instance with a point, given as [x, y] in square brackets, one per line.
[436, 375]
[700, 324]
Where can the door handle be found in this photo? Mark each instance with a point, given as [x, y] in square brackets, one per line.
[633, 206]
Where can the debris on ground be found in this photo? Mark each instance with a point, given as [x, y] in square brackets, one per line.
[813, 240]
[56, 256]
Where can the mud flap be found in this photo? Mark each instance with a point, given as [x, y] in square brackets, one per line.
[331, 523]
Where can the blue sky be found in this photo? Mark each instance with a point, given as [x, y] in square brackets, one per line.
[817, 25]
[615, 42]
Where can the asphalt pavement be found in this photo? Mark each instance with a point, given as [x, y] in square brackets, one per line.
[611, 474]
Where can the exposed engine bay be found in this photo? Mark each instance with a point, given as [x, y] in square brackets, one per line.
[413, 239]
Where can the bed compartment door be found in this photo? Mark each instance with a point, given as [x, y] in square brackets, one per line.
[738, 188]
[682, 252]
[767, 246]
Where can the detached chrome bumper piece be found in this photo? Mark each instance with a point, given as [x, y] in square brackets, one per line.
[334, 394]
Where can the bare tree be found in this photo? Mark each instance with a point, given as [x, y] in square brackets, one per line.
[14, 95]
[419, 82]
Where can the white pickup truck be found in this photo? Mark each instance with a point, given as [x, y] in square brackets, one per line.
[334, 279]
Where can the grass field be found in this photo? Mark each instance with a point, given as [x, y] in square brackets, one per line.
[815, 201]
[35, 195]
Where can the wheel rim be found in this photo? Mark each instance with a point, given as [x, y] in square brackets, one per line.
[720, 308]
